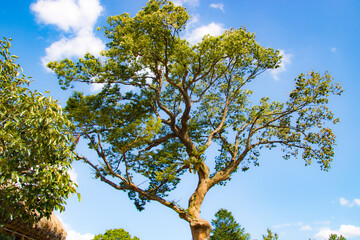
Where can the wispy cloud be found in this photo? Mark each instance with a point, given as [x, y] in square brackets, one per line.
[218, 6]
[285, 62]
[333, 49]
[193, 21]
[306, 228]
[76, 18]
[300, 225]
[284, 225]
[349, 203]
[323, 222]
[196, 35]
[194, 3]
[347, 231]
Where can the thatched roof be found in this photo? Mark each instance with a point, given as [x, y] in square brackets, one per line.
[45, 229]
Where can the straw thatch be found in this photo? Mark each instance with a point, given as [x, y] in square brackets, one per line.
[44, 229]
[47, 229]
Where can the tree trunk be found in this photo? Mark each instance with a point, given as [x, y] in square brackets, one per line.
[200, 229]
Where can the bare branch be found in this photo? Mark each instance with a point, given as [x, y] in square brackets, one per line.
[132, 187]
[102, 155]
[102, 177]
[157, 142]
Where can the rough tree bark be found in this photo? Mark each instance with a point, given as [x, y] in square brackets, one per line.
[200, 229]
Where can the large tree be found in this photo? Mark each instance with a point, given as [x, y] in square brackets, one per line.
[36, 147]
[165, 102]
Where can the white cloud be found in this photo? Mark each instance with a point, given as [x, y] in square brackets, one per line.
[75, 17]
[195, 35]
[348, 203]
[324, 233]
[73, 235]
[295, 224]
[73, 175]
[288, 225]
[193, 21]
[95, 87]
[218, 6]
[347, 231]
[344, 202]
[68, 14]
[333, 49]
[194, 3]
[83, 42]
[322, 222]
[306, 228]
[285, 61]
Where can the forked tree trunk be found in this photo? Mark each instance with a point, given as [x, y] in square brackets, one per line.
[200, 229]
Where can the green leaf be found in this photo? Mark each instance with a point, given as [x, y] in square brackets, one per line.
[31, 144]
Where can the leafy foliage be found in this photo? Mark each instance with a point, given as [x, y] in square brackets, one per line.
[270, 235]
[115, 234]
[164, 102]
[35, 146]
[4, 236]
[226, 228]
[336, 237]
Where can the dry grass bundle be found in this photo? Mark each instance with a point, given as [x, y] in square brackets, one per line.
[51, 229]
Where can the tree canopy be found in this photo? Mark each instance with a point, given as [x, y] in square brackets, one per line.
[336, 237]
[226, 228]
[165, 102]
[115, 234]
[35, 146]
[270, 235]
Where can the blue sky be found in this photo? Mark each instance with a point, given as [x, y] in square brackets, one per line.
[295, 201]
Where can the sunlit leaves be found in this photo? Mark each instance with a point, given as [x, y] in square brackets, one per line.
[302, 124]
[113, 234]
[35, 146]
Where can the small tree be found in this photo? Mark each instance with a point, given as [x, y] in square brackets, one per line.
[336, 237]
[115, 234]
[270, 235]
[35, 147]
[226, 228]
[166, 102]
